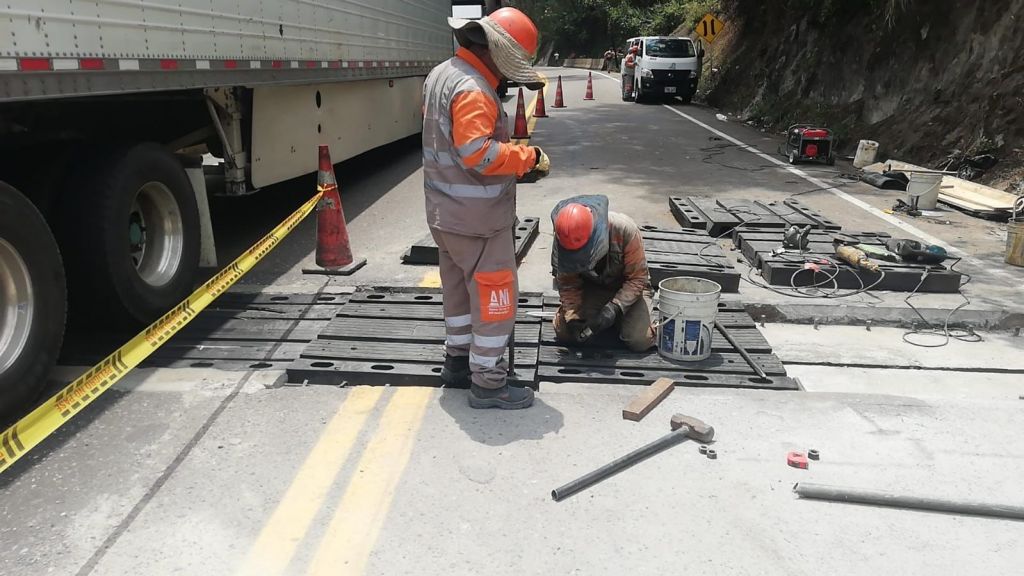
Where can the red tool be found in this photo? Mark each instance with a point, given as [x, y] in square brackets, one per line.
[797, 460]
[590, 86]
[805, 142]
[520, 132]
[559, 102]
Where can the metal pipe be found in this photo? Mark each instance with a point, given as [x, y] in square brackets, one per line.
[616, 466]
[881, 498]
[743, 352]
[215, 118]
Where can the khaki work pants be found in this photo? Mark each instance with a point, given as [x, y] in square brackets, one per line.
[635, 329]
[481, 291]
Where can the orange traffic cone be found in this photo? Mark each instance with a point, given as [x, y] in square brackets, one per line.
[590, 86]
[538, 111]
[333, 252]
[559, 103]
[520, 132]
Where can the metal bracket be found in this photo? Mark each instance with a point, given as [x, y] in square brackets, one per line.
[226, 116]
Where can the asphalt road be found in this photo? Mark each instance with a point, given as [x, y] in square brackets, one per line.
[199, 471]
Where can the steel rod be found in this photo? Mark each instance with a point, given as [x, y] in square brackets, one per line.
[616, 466]
[882, 498]
[743, 352]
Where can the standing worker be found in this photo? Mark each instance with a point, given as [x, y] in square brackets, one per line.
[601, 271]
[469, 179]
[628, 73]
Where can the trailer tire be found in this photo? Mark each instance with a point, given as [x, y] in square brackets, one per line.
[31, 277]
[130, 236]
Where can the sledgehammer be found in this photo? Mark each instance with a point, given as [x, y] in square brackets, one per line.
[683, 427]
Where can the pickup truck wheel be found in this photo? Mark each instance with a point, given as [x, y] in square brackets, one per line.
[32, 301]
[131, 235]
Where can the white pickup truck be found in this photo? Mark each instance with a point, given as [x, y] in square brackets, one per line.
[666, 67]
[106, 108]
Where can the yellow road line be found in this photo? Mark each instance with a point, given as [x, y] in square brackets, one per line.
[289, 523]
[432, 279]
[353, 531]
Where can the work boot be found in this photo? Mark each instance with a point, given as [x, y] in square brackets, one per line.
[507, 397]
[456, 371]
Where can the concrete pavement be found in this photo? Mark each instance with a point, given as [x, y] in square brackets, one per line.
[195, 471]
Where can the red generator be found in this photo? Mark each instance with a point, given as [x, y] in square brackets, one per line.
[805, 142]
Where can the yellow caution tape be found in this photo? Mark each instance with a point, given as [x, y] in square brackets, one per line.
[28, 432]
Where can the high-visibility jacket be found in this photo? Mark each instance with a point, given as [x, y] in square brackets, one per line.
[469, 166]
[624, 270]
[631, 61]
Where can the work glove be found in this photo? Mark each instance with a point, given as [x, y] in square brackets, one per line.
[540, 169]
[576, 330]
[605, 319]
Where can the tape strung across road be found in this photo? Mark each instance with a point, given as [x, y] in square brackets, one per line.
[32, 429]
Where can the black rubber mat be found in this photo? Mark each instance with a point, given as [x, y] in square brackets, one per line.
[789, 268]
[719, 216]
[683, 252]
[611, 363]
[425, 250]
[395, 336]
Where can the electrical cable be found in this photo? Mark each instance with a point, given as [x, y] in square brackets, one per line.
[944, 332]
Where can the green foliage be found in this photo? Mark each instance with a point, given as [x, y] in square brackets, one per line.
[589, 27]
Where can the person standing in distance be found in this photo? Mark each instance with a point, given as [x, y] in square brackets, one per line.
[469, 180]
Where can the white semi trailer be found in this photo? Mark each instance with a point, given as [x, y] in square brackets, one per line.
[106, 107]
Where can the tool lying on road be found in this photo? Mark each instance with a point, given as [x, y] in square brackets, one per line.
[796, 238]
[914, 251]
[856, 258]
[683, 427]
[743, 352]
[882, 498]
[648, 399]
[797, 460]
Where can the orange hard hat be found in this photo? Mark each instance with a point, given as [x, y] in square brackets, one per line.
[519, 27]
[573, 226]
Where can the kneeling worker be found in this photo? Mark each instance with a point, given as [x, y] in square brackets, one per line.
[601, 270]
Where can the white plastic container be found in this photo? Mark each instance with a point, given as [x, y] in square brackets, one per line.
[925, 187]
[866, 151]
[687, 307]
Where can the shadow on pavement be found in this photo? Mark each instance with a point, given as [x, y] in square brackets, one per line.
[501, 427]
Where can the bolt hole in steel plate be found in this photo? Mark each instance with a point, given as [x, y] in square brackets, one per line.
[382, 367]
[696, 377]
[423, 297]
[278, 298]
[322, 364]
[632, 374]
[759, 380]
[156, 236]
[375, 297]
[325, 298]
[569, 371]
[260, 365]
[523, 300]
[17, 305]
[436, 369]
[201, 364]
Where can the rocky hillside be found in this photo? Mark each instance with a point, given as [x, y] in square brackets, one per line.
[923, 78]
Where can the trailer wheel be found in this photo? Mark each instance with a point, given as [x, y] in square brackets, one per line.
[130, 235]
[32, 300]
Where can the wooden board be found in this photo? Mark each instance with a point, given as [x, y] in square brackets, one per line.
[650, 397]
[957, 191]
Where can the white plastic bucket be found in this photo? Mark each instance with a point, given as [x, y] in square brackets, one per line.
[866, 151]
[925, 186]
[687, 307]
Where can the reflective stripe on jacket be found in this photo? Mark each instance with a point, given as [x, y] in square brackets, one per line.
[624, 269]
[469, 166]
